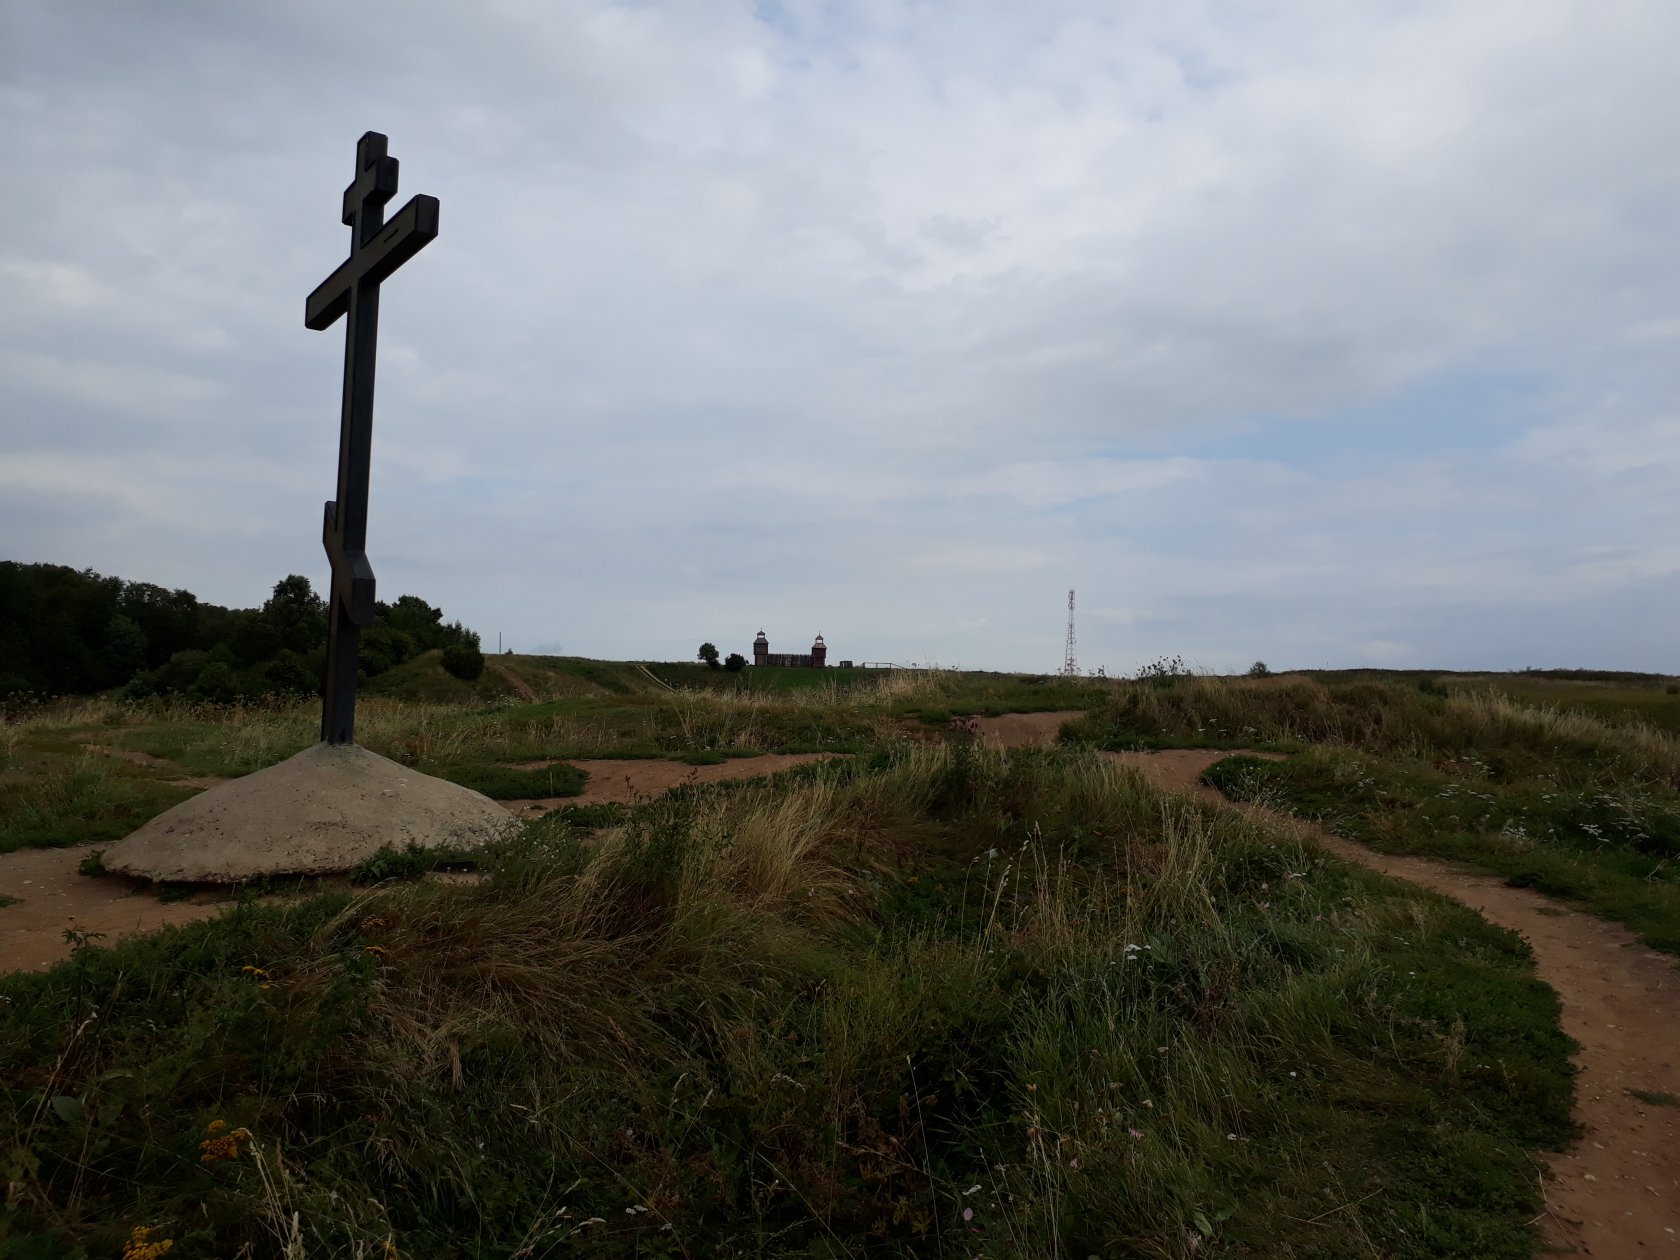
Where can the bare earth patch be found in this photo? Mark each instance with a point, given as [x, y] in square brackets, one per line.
[51, 897]
[1024, 730]
[626, 782]
[513, 680]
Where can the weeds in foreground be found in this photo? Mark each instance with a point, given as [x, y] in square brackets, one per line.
[949, 1003]
[76, 798]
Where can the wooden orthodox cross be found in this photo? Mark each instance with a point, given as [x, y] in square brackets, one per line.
[377, 249]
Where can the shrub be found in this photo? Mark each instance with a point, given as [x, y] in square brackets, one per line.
[464, 661]
[1164, 671]
[216, 682]
[506, 783]
[289, 674]
[409, 862]
[735, 662]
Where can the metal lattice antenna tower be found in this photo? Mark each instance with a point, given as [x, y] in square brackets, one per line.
[1070, 666]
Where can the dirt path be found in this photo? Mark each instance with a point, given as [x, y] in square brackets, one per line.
[47, 896]
[513, 680]
[133, 757]
[50, 897]
[655, 678]
[625, 782]
[1024, 730]
[1616, 1192]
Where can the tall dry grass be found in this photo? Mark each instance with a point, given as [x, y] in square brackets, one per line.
[1381, 718]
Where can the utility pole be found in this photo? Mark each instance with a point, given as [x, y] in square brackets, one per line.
[1070, 665]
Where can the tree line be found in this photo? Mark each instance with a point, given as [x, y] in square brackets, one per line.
[66, 631]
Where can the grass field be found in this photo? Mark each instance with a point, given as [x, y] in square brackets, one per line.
[1578, 795]
[56, 789]
[1013, 1005]
[929, 1000]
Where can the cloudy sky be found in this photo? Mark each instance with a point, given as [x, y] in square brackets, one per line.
[1328, 334]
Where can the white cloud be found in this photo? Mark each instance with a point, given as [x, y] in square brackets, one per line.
[876, 315]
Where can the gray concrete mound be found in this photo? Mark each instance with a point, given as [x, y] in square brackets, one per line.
[324, 810]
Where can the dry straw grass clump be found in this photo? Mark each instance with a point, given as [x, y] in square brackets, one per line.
[1382, 718]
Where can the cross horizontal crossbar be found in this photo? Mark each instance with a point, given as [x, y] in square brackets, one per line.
[414, 227]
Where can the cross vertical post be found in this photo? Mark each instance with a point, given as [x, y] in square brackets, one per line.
[377, 249]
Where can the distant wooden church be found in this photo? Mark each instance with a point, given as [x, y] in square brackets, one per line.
[816, 658]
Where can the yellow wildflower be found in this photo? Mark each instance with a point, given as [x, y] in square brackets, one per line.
[375, 949]
[140, 1247]
[253, 971]
[224, 1145]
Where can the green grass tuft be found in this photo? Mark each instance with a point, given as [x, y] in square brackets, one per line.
[936, 1001]
[1611, 848]
[504, 783]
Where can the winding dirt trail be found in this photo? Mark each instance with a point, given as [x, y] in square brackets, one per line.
[628, 781]
[1616, 1192]
[513, 680]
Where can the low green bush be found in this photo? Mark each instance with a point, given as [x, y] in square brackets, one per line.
[505, 783]
[463, 661]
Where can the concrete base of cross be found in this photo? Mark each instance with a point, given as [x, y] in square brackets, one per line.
[325, 810]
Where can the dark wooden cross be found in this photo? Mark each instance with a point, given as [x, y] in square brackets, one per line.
[377, 249]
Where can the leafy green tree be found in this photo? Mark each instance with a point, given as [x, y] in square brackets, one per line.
[289, 674]
[249, 636]
[415, 618]
[171, 619]
[709, 653]
[1259, 670]
[385, 647]
[295, 615]
[734, 662]
[67, 631]
[464, 660]
[216, 681]
[180, 671]
[124, 649]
